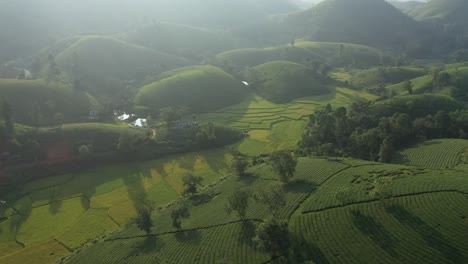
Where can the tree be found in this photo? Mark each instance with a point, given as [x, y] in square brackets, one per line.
[238, 202]
[143, 219]
[284, 164]
[21, 75]
[36, 67]
[273, 198]
[408, 86]
[170, 115]
[239, 163]
[52, 71]
[273, 237]
[58, 117]
[383, 188]
[177, 214]
[190, 183]
[126, 143]
[85, 151]
[293, 42]
[386, 150]
[345, 195]
[7, 116]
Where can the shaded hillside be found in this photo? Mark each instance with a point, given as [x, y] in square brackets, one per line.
[35, 103]
[37, 22]
[183, 40]
[192, 87]
[94, 58]
[308, 53]
[282, 81]
[408, 5]
[345, 21]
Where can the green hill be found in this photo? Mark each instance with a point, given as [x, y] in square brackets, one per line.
[35, 102]
[377, 76]
[192, 87]
[304, 52]
[448, 11]
[341, 21]
[282, 81]
[416, 105]
[98, 57]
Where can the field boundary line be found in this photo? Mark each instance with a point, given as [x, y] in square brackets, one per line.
[377, 200]
[182, 231]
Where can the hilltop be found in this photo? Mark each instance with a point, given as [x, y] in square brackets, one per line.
[192, 87]
[281, 81]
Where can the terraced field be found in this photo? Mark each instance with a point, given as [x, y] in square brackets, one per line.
[424, 219]
[277, 126]
[436, 154]
[59, 214]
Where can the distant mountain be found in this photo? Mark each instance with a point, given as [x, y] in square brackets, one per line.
[406, 5]
[369, 22]
[33, 24]
[443, 11]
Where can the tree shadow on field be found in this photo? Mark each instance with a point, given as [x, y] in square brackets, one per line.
[54, 202]
[304, 250]
[247, 233]
[150, 244]
[432, 236]
[376, 231]
[191, 236]
[299, 186]
[136, 191]
[248, 179]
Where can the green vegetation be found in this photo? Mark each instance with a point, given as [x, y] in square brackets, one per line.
[35, 103]
[373, 78]
[282, 81]
[96, 57]
[435, 154]
[416, 105]
[311, 54]
[199, 84]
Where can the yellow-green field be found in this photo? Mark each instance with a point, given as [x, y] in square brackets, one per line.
[56, 215]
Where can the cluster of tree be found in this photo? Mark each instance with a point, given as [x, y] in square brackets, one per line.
[362, 135]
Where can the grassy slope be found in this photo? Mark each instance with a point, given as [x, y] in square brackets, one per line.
[282, 81]
[416, 105]
[51, 99]
[180, 39]
[303, 52]
[193, 87]
[425, 219]
[441, 10]
[374, 77]
[108, 57]
[436, 154]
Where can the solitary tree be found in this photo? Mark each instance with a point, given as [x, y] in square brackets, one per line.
[58, 117]
[273, 198]
[383, 188]
[408, 86]
[85, 151]
[143, 219]
[190, 183]
[177, 214]
[273, 237]
[170, 115]
[126, 143]
[284, 164]
[344, 194]
[7, 116]
[386, 150]
[238, 202]
[239, 163]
